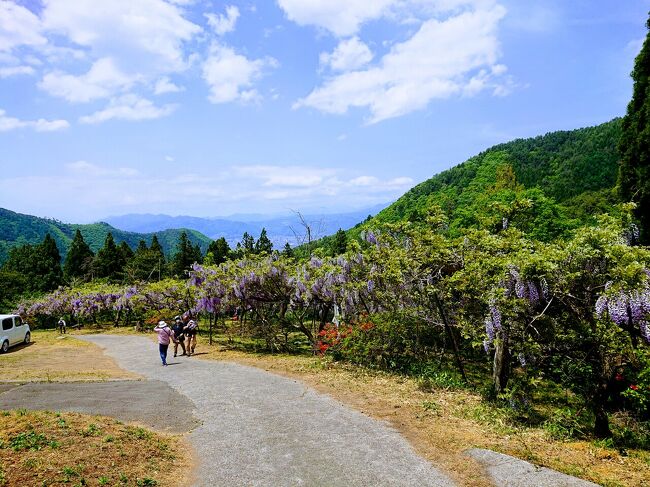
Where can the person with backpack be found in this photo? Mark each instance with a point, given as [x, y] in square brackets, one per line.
[179, 335]
[190, 332]
[62, 325]
[165, 335]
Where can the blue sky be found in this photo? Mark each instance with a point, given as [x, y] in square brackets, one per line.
[211, 108]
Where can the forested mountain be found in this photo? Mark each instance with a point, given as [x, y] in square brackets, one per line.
[18, 229]
[576, 168]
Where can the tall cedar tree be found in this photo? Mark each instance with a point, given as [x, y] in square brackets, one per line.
[340, 243]
[287, 251]
[146, 264]
[248, 243]
[156, 247]
[109, 261]
[263, 244]
[79, 258]
[47, 265]
[634, 145]
[39, 265]
[185, 255]
[220, 250]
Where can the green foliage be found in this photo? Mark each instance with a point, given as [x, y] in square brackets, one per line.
[561, 165]
[339, 244]
[219, 251]
[78, 262]
[109, 261]
[634, 174]
[263, 245]
[185, 256]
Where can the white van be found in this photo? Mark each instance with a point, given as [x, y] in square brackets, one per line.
[13, 331]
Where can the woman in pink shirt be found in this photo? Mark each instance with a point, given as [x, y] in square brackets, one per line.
[165, 335]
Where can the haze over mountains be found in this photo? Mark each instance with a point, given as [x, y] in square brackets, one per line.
[280, 229]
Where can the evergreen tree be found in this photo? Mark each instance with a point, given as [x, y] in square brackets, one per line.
[247, 244]
[126, 252]
[220, 250]
[634, 145]
[340, 242]
[47, 265]
[79, 259]
[109, 261]
[184, 257]
[263, 244]
[21, 260]
[287, 251]
[142, 246]
[198, 255]
[145, 264]
[157, 248]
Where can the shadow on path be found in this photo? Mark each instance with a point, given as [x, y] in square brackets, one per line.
[152, 403]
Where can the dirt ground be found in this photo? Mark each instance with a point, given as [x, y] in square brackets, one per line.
[51, 357]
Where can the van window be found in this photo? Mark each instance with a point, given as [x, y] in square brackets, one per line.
[7, 324]
[18, 321]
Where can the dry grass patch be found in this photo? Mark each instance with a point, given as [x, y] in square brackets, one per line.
[58, 358]
[48, 449]
[442, 424]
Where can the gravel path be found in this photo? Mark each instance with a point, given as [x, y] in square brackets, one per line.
[260, 429]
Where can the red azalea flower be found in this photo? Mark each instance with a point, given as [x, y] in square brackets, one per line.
[634, 387]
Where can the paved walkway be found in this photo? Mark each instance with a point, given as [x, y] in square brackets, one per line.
[260, 429]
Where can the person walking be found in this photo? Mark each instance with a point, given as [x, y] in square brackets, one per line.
[178, 335]
[165, 335]
[62, 325]
[190, 332]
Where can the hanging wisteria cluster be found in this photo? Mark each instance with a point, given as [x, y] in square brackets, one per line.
[626, 307]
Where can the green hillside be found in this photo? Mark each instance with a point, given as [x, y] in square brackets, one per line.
[18, 229]
[576, 168]
[544, 185]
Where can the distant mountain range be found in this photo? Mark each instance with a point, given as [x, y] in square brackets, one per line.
[280, 229]
[18, 229]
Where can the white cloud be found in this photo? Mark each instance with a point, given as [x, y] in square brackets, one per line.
[87, 169]
[114, 45]
[349, 54]
[128, 107]
[222, 24]
[152, 27]
[93, 189]
[5, 72]
[440, 60]
[103, 79]
[231, 76]
[291, 176]
[41, 125]
[341, 17]
[164, 85]
[19, 27]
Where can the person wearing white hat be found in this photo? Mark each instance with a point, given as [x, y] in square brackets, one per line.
[165, 335]
[190, 332]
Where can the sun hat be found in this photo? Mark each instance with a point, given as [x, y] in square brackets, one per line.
[162, 323]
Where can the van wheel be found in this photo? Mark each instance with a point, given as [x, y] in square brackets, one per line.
[28, 337]
[5, 346]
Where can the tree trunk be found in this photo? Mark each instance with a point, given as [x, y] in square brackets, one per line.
[451, 336]
[501, 369]
[211, 319]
